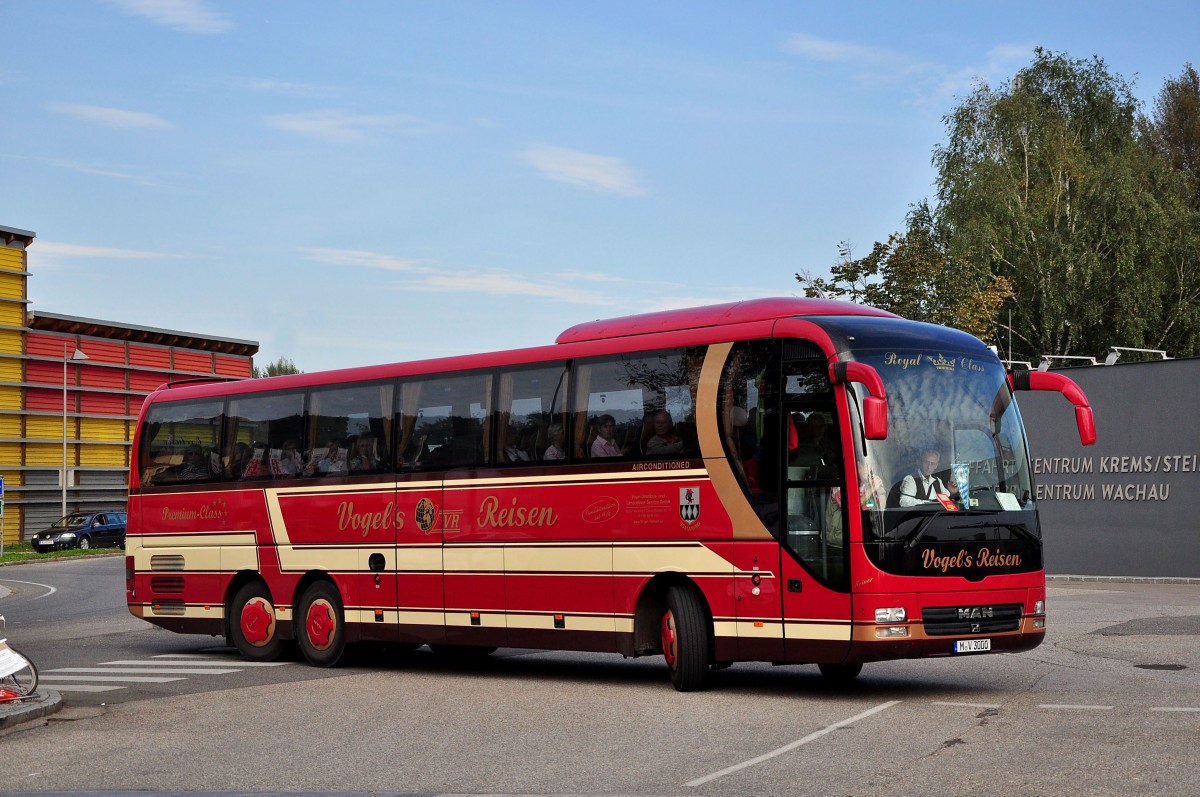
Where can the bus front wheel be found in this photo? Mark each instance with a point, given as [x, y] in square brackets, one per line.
[252, 623]
[685, 639]
[321, 625]
[840, 673]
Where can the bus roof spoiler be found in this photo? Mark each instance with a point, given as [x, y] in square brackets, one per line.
[875, 423]
[1085, 420]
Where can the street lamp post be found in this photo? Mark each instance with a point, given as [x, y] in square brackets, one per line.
[77, 356]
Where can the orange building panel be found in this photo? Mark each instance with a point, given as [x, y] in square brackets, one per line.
[48, 345]
[234, 366]
[193, 362]
[147, 381]
[108, 378]
[38, 400]
[45, 373]
[102, 404]
[103, 351]
[148, 357]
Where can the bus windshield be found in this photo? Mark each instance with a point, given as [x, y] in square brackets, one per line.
[953, 469]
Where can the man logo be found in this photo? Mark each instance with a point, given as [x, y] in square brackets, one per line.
[689, 504]
[975, 613]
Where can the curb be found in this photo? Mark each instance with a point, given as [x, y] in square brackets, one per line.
[1127, 579]
[44, 701]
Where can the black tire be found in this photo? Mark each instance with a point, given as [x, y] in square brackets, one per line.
[252, 626]
[685, 639]
[840, 673]
[321, 625]
[85, 542]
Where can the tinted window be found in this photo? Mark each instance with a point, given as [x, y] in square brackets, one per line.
[262, 436]
[180, 442]
[637, 406]
[444, 422]
[350, 430]
[531, 420]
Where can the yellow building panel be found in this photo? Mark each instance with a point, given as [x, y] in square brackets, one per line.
[10, 426]
[48, 426]
[102, 456]
[107, 429]
[10, 398]
[12, 286]
[12, 314]
[10, 369]
[11, 341]
[38, 454]
[11, 259]
[12, 478]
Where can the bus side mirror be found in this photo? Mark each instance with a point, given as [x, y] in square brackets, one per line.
[875, 423]
[1085, 420]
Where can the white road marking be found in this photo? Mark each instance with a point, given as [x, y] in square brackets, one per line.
[1176, 708]
[49, 589]
[967, 705]
[148, 670]
[792, 746]
[1074, 706]
[135, 679]
[86, 688]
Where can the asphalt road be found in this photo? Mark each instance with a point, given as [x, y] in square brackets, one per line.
[1110, 705]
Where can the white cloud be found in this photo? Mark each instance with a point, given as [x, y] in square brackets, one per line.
[186, 16]
[61, 251]
[341, 127]
[1001, 62]
[584, 169]
[112, 117]
[819, 49]
[362, 259]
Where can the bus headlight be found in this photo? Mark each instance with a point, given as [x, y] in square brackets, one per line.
[1039, 607]
[895, 614]
[891, 631]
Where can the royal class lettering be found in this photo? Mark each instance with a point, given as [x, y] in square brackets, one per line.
[985, 558]
[514, 515]
[365, 522]
[891, 358]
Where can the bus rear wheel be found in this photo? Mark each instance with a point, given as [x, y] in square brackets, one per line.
[321, 625]
[684, 630]
[252, 624]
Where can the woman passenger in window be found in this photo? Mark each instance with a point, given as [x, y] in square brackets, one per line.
[604, 445]
[558, 443]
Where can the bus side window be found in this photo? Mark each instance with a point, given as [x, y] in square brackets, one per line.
[173, 434]
[529, 414]
[350, 429]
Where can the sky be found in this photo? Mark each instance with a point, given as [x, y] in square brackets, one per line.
[350, 183]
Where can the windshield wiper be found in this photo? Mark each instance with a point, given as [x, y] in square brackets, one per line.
[914, 536]
[1016, 528]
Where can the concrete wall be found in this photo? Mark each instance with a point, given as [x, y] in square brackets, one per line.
[1130, 504]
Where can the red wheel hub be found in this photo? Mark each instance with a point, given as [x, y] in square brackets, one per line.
[669, 639]
[257, 621]
[320, 623]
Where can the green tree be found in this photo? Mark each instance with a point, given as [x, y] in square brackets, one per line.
[277, 368]
[1052, 210]
[1173, 130]
[914, 276]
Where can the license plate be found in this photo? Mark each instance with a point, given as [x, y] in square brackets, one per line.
[972, 646]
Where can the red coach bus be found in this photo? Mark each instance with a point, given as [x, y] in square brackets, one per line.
[779, 480]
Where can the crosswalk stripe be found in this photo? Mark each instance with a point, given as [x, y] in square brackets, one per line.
[148, 670]
[196, 662]
[86, 688]
[136, 679]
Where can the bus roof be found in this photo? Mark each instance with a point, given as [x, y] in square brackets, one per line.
[713, 315]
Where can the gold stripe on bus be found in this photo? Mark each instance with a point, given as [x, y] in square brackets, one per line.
[571, 622]
[837, 632]
[215, 611]
[600, 479]
[573, 560]
[757, 629]
[458, 618]
[693, 559]
[473, 559]
[199, 539]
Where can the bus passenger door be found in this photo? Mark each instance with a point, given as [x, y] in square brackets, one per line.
[419, 605]
[814, 565]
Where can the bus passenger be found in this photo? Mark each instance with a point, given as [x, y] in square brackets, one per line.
[331, 463]
[558, 443]
[604, 445]
[194, 466]
[362, 456]
[665, 442]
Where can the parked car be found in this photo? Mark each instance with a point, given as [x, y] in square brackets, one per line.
[82, 530]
